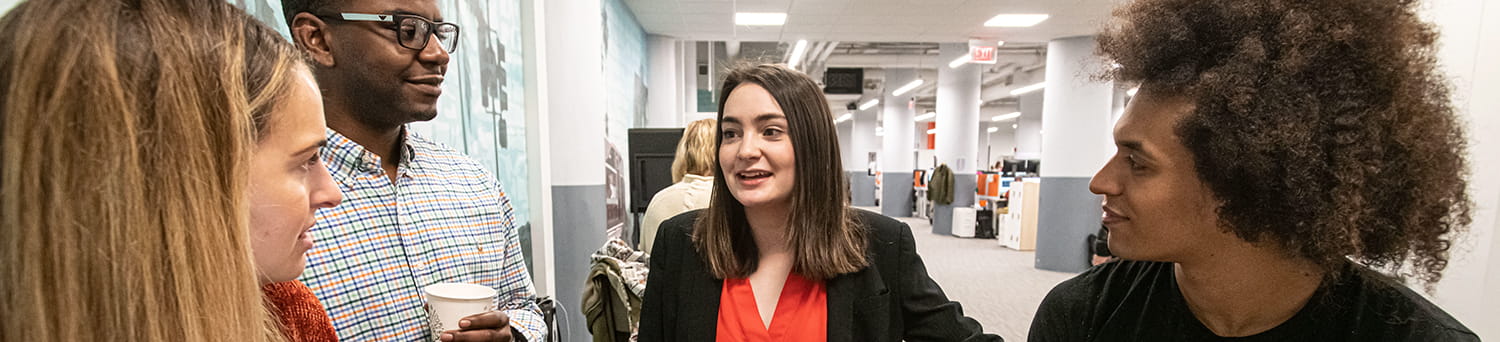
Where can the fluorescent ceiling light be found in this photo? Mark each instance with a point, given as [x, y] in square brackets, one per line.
[868, 104]
[908, 87]
[1132, 91]
[843, 118]
[924, 117]
[932, 131]
[1003, 117]
[759, 19]
[1028, 89]
[797, 52]
[960, 61]
[1016, 20]
[993, 129]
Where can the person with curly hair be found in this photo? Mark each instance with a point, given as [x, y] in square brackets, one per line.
[1283, 169]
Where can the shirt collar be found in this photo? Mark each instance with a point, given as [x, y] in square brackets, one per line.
[696, 178]
[347, 158]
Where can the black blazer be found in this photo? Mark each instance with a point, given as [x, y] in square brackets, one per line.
[894, 298]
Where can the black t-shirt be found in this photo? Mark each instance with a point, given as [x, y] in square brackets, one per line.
[1140, 301]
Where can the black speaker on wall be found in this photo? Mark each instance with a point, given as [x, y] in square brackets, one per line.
[651, 153]
[844, 80]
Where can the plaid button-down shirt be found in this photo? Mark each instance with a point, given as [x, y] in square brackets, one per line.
[445, 219]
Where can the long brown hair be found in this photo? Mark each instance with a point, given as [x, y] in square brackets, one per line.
[822, 229]
[695, 151]
[127, 130]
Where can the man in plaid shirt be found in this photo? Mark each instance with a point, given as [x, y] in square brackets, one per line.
[416, 212]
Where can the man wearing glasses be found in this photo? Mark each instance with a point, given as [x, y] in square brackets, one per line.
[416, 212]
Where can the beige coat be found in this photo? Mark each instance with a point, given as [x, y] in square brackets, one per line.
[690, 194]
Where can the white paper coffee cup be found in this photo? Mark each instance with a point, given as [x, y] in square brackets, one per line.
[447, 303]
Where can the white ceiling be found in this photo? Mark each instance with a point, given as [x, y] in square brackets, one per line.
[870, 20]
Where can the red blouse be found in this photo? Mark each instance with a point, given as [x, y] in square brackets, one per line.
[801, 313]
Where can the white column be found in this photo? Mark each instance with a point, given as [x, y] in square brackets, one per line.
[897, 148]
[957, 111]
[575, 86]
[898, 142]
[957, 140]
[663, 101]
[1076, 113]
[861, 183]
[1076, 109]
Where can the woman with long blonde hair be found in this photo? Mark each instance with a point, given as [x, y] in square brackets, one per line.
[128, 136]
[692, 179]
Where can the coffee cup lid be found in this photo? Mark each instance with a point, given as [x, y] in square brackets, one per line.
[459, 291]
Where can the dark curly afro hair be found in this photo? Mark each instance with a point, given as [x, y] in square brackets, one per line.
[1321, 126]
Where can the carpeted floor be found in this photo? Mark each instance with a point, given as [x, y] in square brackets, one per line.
[996, 285]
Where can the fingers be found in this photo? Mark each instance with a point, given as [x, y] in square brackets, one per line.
[484, 335]
[487, 320]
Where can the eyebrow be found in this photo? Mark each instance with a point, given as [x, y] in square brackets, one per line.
[1135, 146]
[319, 145]
[758, 118]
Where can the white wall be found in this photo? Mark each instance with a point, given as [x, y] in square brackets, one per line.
[575, 68]
[663, 100]
[1470, 30]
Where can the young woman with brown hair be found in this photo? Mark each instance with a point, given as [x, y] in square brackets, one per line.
[160, 166]
[779, 254]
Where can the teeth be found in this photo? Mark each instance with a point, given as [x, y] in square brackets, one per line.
[754, 174]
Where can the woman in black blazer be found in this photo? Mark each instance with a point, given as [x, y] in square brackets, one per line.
[779, 217]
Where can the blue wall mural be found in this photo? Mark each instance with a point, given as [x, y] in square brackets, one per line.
[624, 104]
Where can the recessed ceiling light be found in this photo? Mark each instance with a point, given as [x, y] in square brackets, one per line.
[908, 87]
[960, 61]
[1029, 88]
[759, 19]
[1016, 20]
[796, 56]
[1004, 117]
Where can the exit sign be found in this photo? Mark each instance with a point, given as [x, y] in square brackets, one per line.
[982, 54]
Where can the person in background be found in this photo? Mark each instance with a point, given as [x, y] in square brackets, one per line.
[779, 255]
[417, 212]
[692, 179]
[161, 164]
[1282, 166]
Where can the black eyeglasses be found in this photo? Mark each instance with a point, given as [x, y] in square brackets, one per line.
[412, 31]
